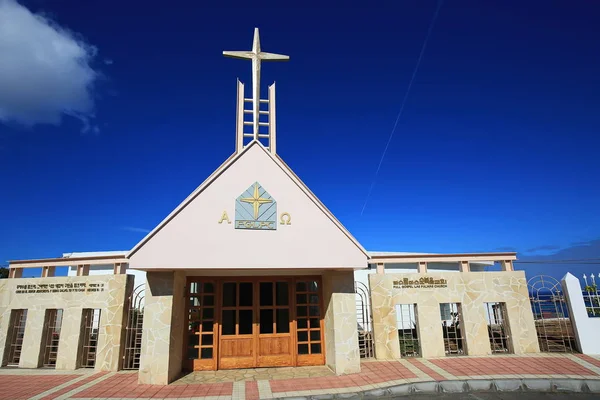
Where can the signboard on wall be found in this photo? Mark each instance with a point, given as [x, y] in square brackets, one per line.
[421, 283]
[79, 287]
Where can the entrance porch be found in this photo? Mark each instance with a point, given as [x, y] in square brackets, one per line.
[253, 322]
[229, 319]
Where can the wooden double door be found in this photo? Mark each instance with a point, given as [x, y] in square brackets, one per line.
[253, 322]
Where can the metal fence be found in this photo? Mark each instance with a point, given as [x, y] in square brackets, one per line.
[551, 315]
[452, 322]
[18, 318]
[52, 325]
[498, 329]
[364, 319]
[89, 338]
[591, 296]
[408, 330]
[133, 329]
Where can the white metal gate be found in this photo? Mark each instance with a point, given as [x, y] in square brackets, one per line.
[133, 329]
[551, 315]
[364, 319]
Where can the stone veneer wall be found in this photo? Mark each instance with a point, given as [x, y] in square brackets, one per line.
[162, 342]
[472, 290]
[111, 301]
[341, 333]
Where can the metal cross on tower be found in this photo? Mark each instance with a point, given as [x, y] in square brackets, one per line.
[257, 56]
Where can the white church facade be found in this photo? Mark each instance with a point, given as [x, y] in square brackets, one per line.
[252, 270]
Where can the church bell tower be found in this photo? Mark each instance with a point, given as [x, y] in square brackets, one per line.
[261, 124]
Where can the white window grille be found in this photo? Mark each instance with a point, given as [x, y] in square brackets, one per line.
[89, 339]
[498, 329]
[18, 318]
[51, 336]
[452, 329]
[408, 330]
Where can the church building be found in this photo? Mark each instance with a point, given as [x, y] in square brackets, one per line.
[252, 270]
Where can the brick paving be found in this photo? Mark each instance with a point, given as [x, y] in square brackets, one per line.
[14, 387]
[371, 373]
[73, 386]
[498, 365]
[46, 385]
[252, 391]
[124, 385]
[589, 359]
[424, 368]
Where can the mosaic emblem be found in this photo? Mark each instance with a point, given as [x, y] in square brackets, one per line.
[255, 209]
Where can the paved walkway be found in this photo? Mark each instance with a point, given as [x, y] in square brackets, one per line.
[254, 384]
[254, 374]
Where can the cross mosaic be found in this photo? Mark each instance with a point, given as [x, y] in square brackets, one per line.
[255, 209]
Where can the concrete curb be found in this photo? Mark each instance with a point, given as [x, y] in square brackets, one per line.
[462, 386]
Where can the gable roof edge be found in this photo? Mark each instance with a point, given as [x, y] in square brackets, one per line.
[278, 160]
[211, 178]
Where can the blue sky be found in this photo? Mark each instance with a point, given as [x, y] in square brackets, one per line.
[496, 149]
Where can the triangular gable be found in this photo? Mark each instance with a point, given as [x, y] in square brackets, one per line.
[194, 225]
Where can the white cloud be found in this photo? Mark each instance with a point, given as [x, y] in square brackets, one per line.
[45, 70]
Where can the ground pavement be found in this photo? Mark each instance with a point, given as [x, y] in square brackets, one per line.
[378, 379]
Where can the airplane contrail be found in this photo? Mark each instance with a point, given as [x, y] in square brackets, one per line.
[431, 25]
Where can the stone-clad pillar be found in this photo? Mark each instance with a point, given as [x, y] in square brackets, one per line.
[521, 323]
[5, 314]
[475, 328]
[32, 339]
[385, 324]
[162, 345]
[464, 266]
[15, 273]
[431, 336]
[177, 327]
[341, 333]
[507, 265]
[111, 337]
[68, 346]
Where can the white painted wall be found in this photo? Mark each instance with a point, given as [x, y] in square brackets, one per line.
[195, 239]
[586, 328]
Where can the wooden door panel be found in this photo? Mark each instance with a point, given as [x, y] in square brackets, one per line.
[291, 333]
[271, 346]
[275, 351]
[275, 361]
[236, 362]
[237, 327]
[204, 365]
[237, 347]
[237, 352]
[309, 335]
[199, 349]
[305, 360]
